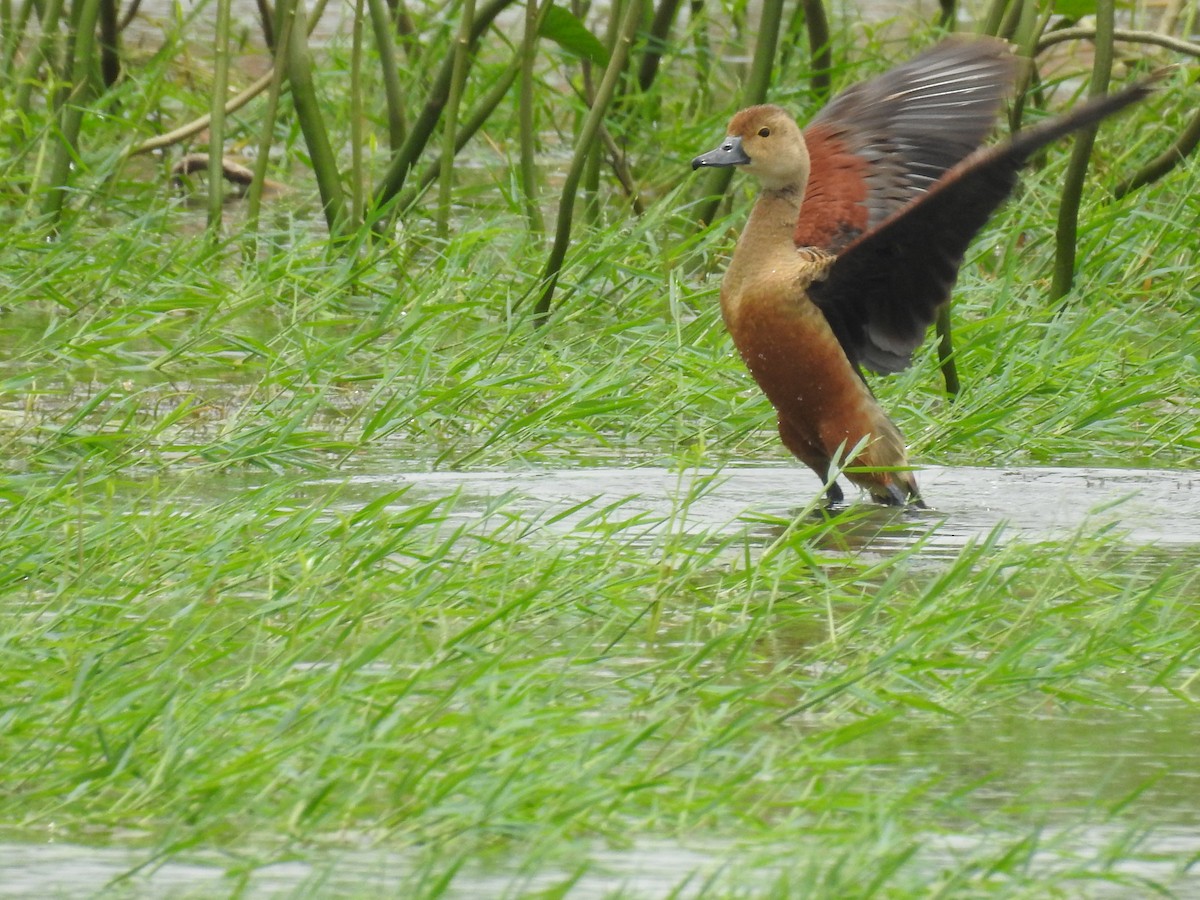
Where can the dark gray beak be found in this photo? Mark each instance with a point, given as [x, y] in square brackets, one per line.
[730, 153]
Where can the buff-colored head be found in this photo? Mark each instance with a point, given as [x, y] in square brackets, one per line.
[767, 143]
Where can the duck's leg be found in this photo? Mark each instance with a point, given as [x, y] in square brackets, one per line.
[895, 488]
[834, 495]
[811, 455]
[894, 496]
[861, 421]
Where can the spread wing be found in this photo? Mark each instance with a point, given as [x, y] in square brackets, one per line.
[880, 144]
[883, 291]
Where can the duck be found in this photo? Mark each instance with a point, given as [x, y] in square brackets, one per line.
[856, 238]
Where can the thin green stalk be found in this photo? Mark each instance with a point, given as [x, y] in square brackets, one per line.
[13, 32]
[703, 53]
[356, 112]
[129, 15]
[110, 43]
[265, 21]
[27, 77]
[945, 348]
[483, 111]
[591, 187]
[1189, 21]
[819, 48]
[995, 16]
[583, 146]
[285, 18]
[216, 124]
[71, 113]
[234, 103]
[1012, 18]
[948, 17]
[64, 61]
[764, 53]
[422, 129]
[759, 80]
[1068, 211]
[462, 54]
[312, 124]
[405, 27]
[1029, 25]
[526, 125]
[656, 42]
[385, 46]
[1028, 33]
[591, 169]
[1170, 16]
[7, 35]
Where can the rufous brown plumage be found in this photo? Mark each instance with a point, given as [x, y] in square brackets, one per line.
[856, 239]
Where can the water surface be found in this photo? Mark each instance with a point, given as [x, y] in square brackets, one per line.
[1159, 507]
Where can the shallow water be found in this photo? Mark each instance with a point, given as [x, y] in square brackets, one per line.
[1146, 506]
[1071, 770]
[647, 869]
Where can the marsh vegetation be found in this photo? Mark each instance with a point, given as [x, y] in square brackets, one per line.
[281, 608]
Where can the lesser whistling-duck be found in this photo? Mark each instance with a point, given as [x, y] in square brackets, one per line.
[856, 238]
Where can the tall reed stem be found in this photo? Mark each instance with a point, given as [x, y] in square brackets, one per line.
[216, 123]
[1068, 212]
[757, 83]
[583, 146]
[526, 123]
[458, 79]
[110, 43]
[995, 17]
[70, 114]
[385, 46]
[482, 112]
[284, 21]
[819, 47]
[312, 124]
[1029, 31]
[10, 37]
[356, 113]
[27, 76]
[656, 42]
[422, 129]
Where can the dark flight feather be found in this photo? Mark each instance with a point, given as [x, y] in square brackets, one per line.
[885, 287]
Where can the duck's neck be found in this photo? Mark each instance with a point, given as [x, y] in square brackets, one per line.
[767, 242]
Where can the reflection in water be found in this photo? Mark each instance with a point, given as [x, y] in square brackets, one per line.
[1071, 758]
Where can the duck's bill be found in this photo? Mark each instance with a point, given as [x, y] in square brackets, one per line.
[730, 153]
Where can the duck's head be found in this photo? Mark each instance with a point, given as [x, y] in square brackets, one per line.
[767, 143]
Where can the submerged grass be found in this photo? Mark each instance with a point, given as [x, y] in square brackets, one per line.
[278, 670]
[217, 647]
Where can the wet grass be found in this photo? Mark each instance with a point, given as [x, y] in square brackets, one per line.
[213, 650]
[275, 673]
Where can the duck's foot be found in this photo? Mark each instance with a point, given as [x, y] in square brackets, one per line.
[897, 496]
[834, 495]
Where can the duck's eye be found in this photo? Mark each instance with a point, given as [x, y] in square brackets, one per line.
[764, 132]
